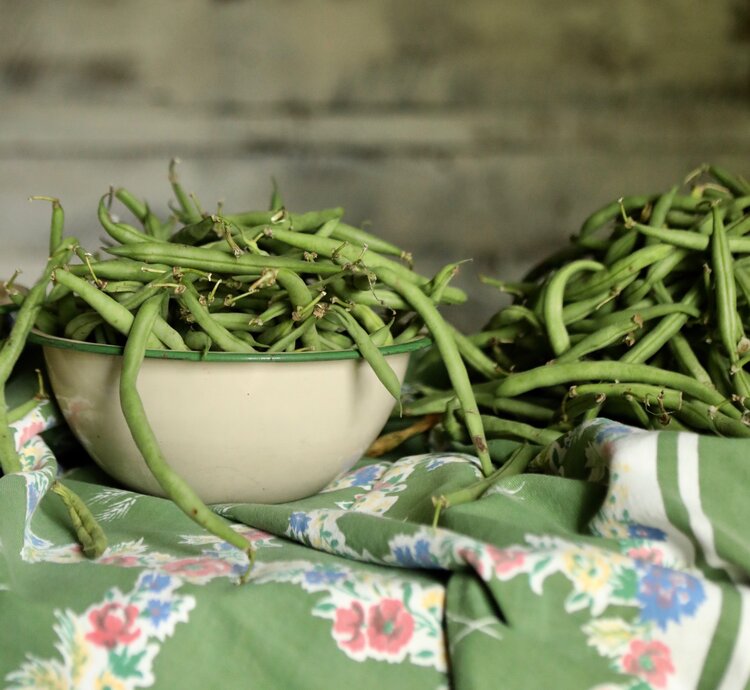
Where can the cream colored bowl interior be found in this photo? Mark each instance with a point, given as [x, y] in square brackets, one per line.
[263, 432]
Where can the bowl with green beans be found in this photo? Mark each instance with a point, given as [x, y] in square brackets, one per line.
[236, 426]
[216, 357]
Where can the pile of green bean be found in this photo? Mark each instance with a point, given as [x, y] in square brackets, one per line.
[642, 318]
[256, 281]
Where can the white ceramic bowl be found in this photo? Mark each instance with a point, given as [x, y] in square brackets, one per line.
[237, 427]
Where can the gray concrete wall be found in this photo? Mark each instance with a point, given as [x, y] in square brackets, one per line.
[479, 129]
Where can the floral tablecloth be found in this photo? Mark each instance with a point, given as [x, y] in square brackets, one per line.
[625, 564]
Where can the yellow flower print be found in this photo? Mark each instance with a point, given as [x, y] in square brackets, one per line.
[589, 569]
[109, 682]
[434, 598]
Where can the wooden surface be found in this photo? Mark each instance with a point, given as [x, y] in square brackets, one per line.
[483, 130]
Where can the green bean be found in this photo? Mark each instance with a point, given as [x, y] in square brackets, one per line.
[661, 207]
[13, 345]
[516, 464]
[135, 416]
[636, 315]
[514, 313]
[729, 324]
[680, 219]
[411, 332]
[331, 248]
[656, 273]
[223, 339]
[622, 271]
[278, 330]
[120, 286]
[121, 232]
[88, 532]
[371, 353]
[299, 221]
[553, 303]
[375, 297]
[326, 230]
[446, 344]
[336, 341]
[110, 310]
[514, 406]
[189, 212]
[81, 325]
[687, 359]
[215, 261]
[701, 416]
[295, 334]
[598, 340]
[506, 334]
[621, 247]
[553, 374]
[494, 426]
[473, 356]
[607, 213]
[56, 224]
[522, 289]
[382, 336]
[119, 269]
[726, 290]
[198, 341]
[736, 185]
[133, 204]
[238, 321]
[300, 296]
[348, 233]
[440, 281]
[578, 310]
[194, 233]
[686, 239]
[664, 397]
[660, 335]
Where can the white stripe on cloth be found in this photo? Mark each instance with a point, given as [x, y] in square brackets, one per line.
[737, 673]
[688, 480]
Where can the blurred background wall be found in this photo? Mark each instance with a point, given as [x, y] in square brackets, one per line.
[483, 129]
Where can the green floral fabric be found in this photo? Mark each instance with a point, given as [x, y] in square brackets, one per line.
[623, 562]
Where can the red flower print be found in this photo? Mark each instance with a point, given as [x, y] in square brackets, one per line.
[199, 567]
[113, 625]
[390, 626]
[646, 555]
[348, 627]
[650, 661]
[505, 560]
[28, 432]
[121, 560]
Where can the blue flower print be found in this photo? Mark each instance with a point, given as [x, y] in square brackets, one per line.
[365, 476]
[298, 523]
[158, 611]
[638, 531]
[155, 582]
[434, 463]
[322, 576]
[417, 555]
[667, 595]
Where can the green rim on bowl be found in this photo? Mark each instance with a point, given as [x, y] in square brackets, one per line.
[39, 338]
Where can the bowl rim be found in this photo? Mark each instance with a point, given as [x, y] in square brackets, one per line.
[37, 337]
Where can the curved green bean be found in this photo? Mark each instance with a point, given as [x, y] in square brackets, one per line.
[553, 303]
[137, 420]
